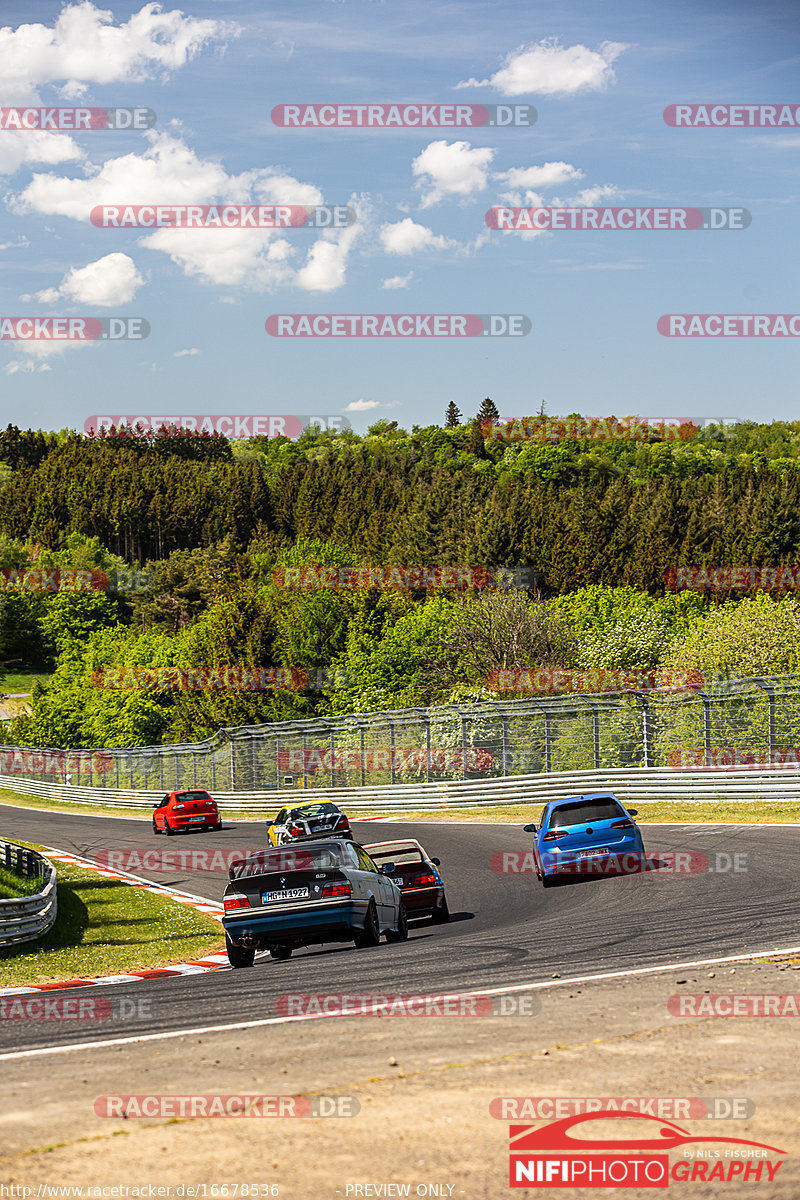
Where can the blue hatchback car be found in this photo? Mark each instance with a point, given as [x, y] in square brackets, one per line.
[586, 835]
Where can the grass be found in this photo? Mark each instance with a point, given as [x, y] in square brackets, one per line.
[22, 681]
[108, 928]
[13, 885]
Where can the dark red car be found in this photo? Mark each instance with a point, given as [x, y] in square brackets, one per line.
[193, 809]
[416, 875]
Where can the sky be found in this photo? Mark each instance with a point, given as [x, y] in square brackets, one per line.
[599, 77]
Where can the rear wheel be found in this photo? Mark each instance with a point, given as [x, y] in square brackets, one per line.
[168, 830]
[239, 956]
[441, 915]
[549, 880]
[281, 953]
[401, 933]
[370, 935]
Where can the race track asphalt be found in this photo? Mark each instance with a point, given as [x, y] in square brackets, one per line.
[505, 929]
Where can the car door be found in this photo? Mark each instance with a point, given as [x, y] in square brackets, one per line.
[383, 890]
[159, 815]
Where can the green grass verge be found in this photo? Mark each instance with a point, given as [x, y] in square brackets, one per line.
[13, 885]
[107, 928]
[752, 813]
[23, 681]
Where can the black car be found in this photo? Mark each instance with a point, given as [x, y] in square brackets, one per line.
[321, 891]
[307, 821]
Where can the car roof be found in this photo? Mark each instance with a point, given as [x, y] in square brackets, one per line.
[397, 844]
[586, 796]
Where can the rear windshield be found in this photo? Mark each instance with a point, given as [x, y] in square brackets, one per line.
[181, 796]
[583, 812]
[269, 862]
[400, 854]
[314, 810]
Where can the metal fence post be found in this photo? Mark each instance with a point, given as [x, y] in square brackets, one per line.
[596, 722]
[770, 717]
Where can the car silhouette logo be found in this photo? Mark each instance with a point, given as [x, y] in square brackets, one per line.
[556, 1135]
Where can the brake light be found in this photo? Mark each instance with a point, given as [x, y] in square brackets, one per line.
[345, 823]
[235, 902]
[553, 837]
[178, 806]
[626, 824]
[422, 881]
[296, 829]
[337, 889]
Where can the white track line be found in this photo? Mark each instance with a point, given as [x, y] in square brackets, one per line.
[517, 987]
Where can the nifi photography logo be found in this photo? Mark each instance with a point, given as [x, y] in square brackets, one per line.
[560, 1155]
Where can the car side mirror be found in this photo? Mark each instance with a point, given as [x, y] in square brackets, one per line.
[529, 828]
[633, 812]
[436, 862]
[387, 868]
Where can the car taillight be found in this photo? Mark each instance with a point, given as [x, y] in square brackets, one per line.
[235, 902]
[422, 881]
[552, 837]
[345, 824]
[337, 889]
[626, 824]
[296, 829]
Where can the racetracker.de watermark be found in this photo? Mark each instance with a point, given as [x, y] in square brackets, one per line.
[742, 116]
[437, 760]
[73, 579]
[398, 325]
[74, 1008]
[403, 116]
[77, 119]
[598, 429]
[401, 578]
[242, 1104]
[660, 862]
[54, 762]
[230, 426]
[667, 1108]
[407, 1005]
[222, 216]
[732, 578]
[73, 329]
[216, 679]
[562, 218]
[549, 680]
[722, 758]
[733, 1004]
[767, 325]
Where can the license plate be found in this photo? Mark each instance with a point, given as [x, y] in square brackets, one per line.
[589, 853]
[197, 818]
[286, 894]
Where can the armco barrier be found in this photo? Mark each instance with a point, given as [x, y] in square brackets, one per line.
[739, 785]
[25, 918]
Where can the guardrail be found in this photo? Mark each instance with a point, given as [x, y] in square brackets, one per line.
[732, 785]
[24, 918]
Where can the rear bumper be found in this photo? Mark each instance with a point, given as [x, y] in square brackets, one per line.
[331, 921]
[626, 855]
[422, 900]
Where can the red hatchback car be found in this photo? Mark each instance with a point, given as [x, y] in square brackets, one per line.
[186, 810]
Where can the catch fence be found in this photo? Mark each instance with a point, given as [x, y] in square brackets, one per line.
[734, 723]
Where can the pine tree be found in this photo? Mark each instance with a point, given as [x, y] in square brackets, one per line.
[488, 411]
[452, 417]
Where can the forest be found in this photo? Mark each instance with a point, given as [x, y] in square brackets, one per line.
[573, 546]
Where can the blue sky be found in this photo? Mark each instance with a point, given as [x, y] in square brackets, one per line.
[599, 76]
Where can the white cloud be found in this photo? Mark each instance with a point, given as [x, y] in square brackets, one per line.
[18, 148]
[407, 237]
[361, 405]
[397, 281]
[184, 353]
[549, 69]
[85, 46]
[19, 244]
[593, 195]
[106, 283]
[550, 174]
[169, 172]
[451, 169]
